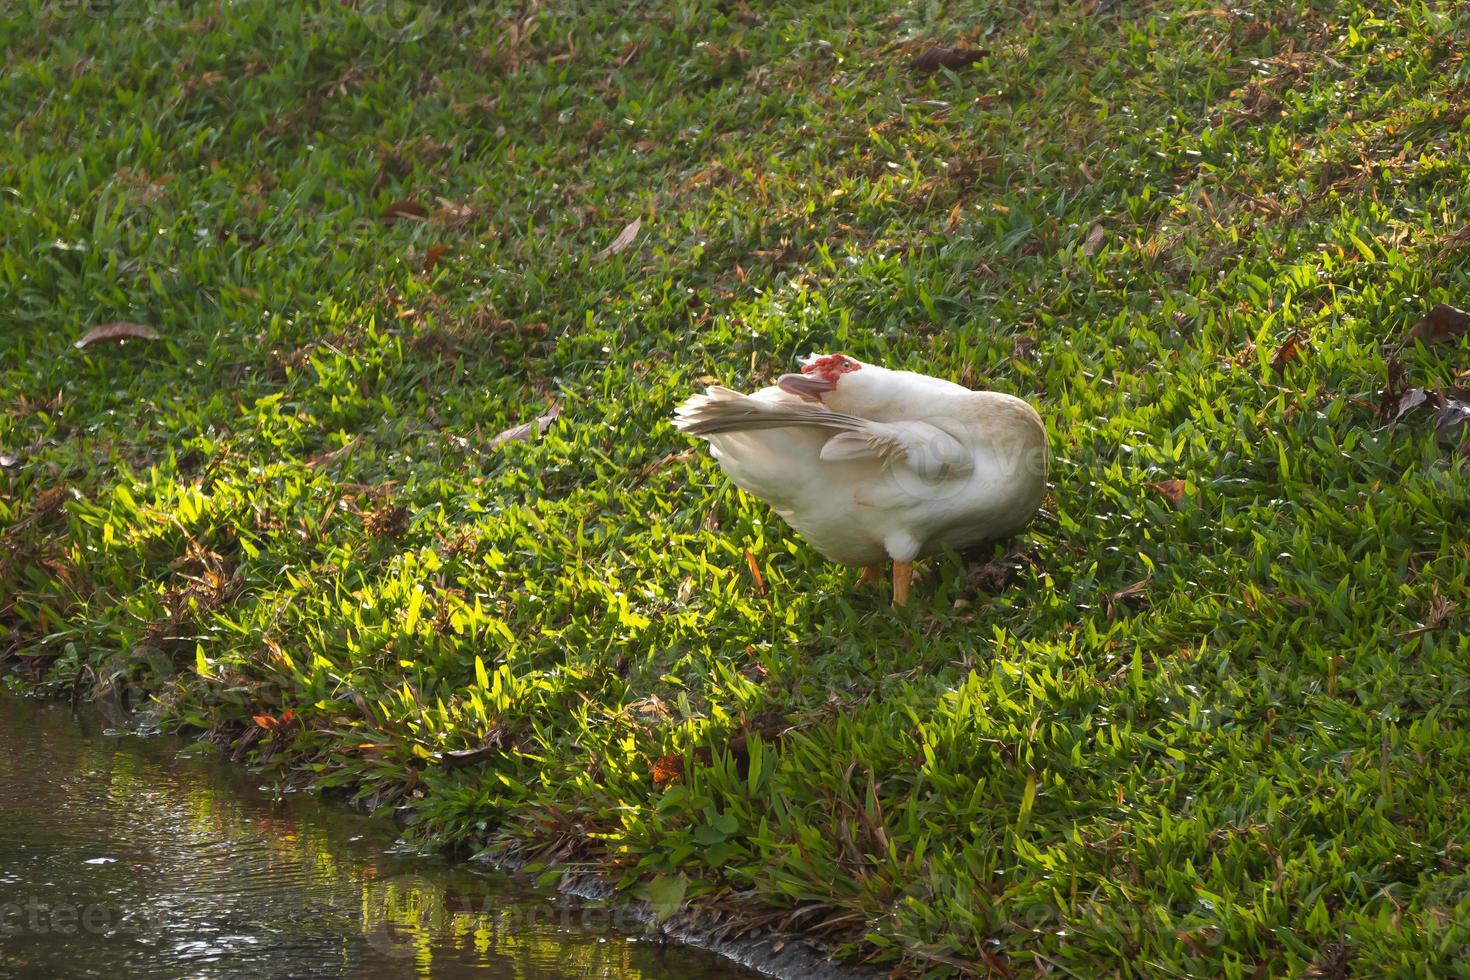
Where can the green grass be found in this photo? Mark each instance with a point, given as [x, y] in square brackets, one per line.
[1255, 764]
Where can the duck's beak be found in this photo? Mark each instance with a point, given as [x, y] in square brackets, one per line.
[812, 386]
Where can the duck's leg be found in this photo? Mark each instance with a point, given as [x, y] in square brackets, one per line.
[903, 573]
[872, 575]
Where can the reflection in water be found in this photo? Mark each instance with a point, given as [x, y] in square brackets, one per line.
[117, 858]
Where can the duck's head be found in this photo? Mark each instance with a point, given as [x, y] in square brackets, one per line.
[820, 374]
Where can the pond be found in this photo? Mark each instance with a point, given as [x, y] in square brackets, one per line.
[122, 857]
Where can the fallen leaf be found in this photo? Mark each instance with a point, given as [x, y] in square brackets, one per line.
[622, 242]
[455, 214]
[755, 672]
[933, 58]
[1170, 490]
[1452, 419]
[1451, 408]
[435, 253]
[1392, 393]
[331, 456]
[1438, 616]
[1287, 352]
[1441, 324]
[755, 573]
[527, 431]
[668, 770]
[264, 721]
[388, 521]
[769, 725]
[1397, 406]
[1094, 241]
[399, 210]
[117, 331]
[244, 238]
[490, 746]
[1126, 593]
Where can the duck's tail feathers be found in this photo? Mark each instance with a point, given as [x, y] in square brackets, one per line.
[722, 410]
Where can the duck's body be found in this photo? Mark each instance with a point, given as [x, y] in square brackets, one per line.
[869, 464]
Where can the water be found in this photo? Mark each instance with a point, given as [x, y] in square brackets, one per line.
[121, 858]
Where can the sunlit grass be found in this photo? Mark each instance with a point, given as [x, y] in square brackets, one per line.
[1215, 737]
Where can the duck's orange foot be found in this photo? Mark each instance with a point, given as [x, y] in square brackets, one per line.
[872, 575]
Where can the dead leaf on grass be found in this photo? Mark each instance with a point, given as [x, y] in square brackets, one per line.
[1170, 490]
[332, 455]
[668, 770]
[1436, 617]
[755, 573]
[1094, 241]
[1452, 418]
[432, 257]
[1440, 325]
[1289, 351]
[1127, 593]
[527, 431]
[933, 58]
[491, 745]
[1451, 408]
[455, 214]
[1394, 405]
[625, 239]
[401, 210]
[117, 331]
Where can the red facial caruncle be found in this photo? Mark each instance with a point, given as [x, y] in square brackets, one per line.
[830, 366]
[818, 376]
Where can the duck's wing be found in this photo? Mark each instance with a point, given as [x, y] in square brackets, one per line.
[927, 449]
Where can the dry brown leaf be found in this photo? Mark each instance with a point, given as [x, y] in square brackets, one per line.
[400, 210]
[1437, 617]
[1392, 393]
[1094, 241]
[455, 214]
[1451, 411]
[755, 573]
[1452, 420]
[1127, 593]
[668, 770]
[932, 59]
[625, 239]
[491, 745]
[388, 521]
[769, 725]
[332, 455]
[527, 431]
[1441, 324]
[117, 331]
[1395, 407]
[1170, 490]
[1287, 352]
[435, 253]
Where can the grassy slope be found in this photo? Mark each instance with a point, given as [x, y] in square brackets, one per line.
[1257, 762]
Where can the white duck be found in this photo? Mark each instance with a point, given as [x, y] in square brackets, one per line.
[870, 464]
